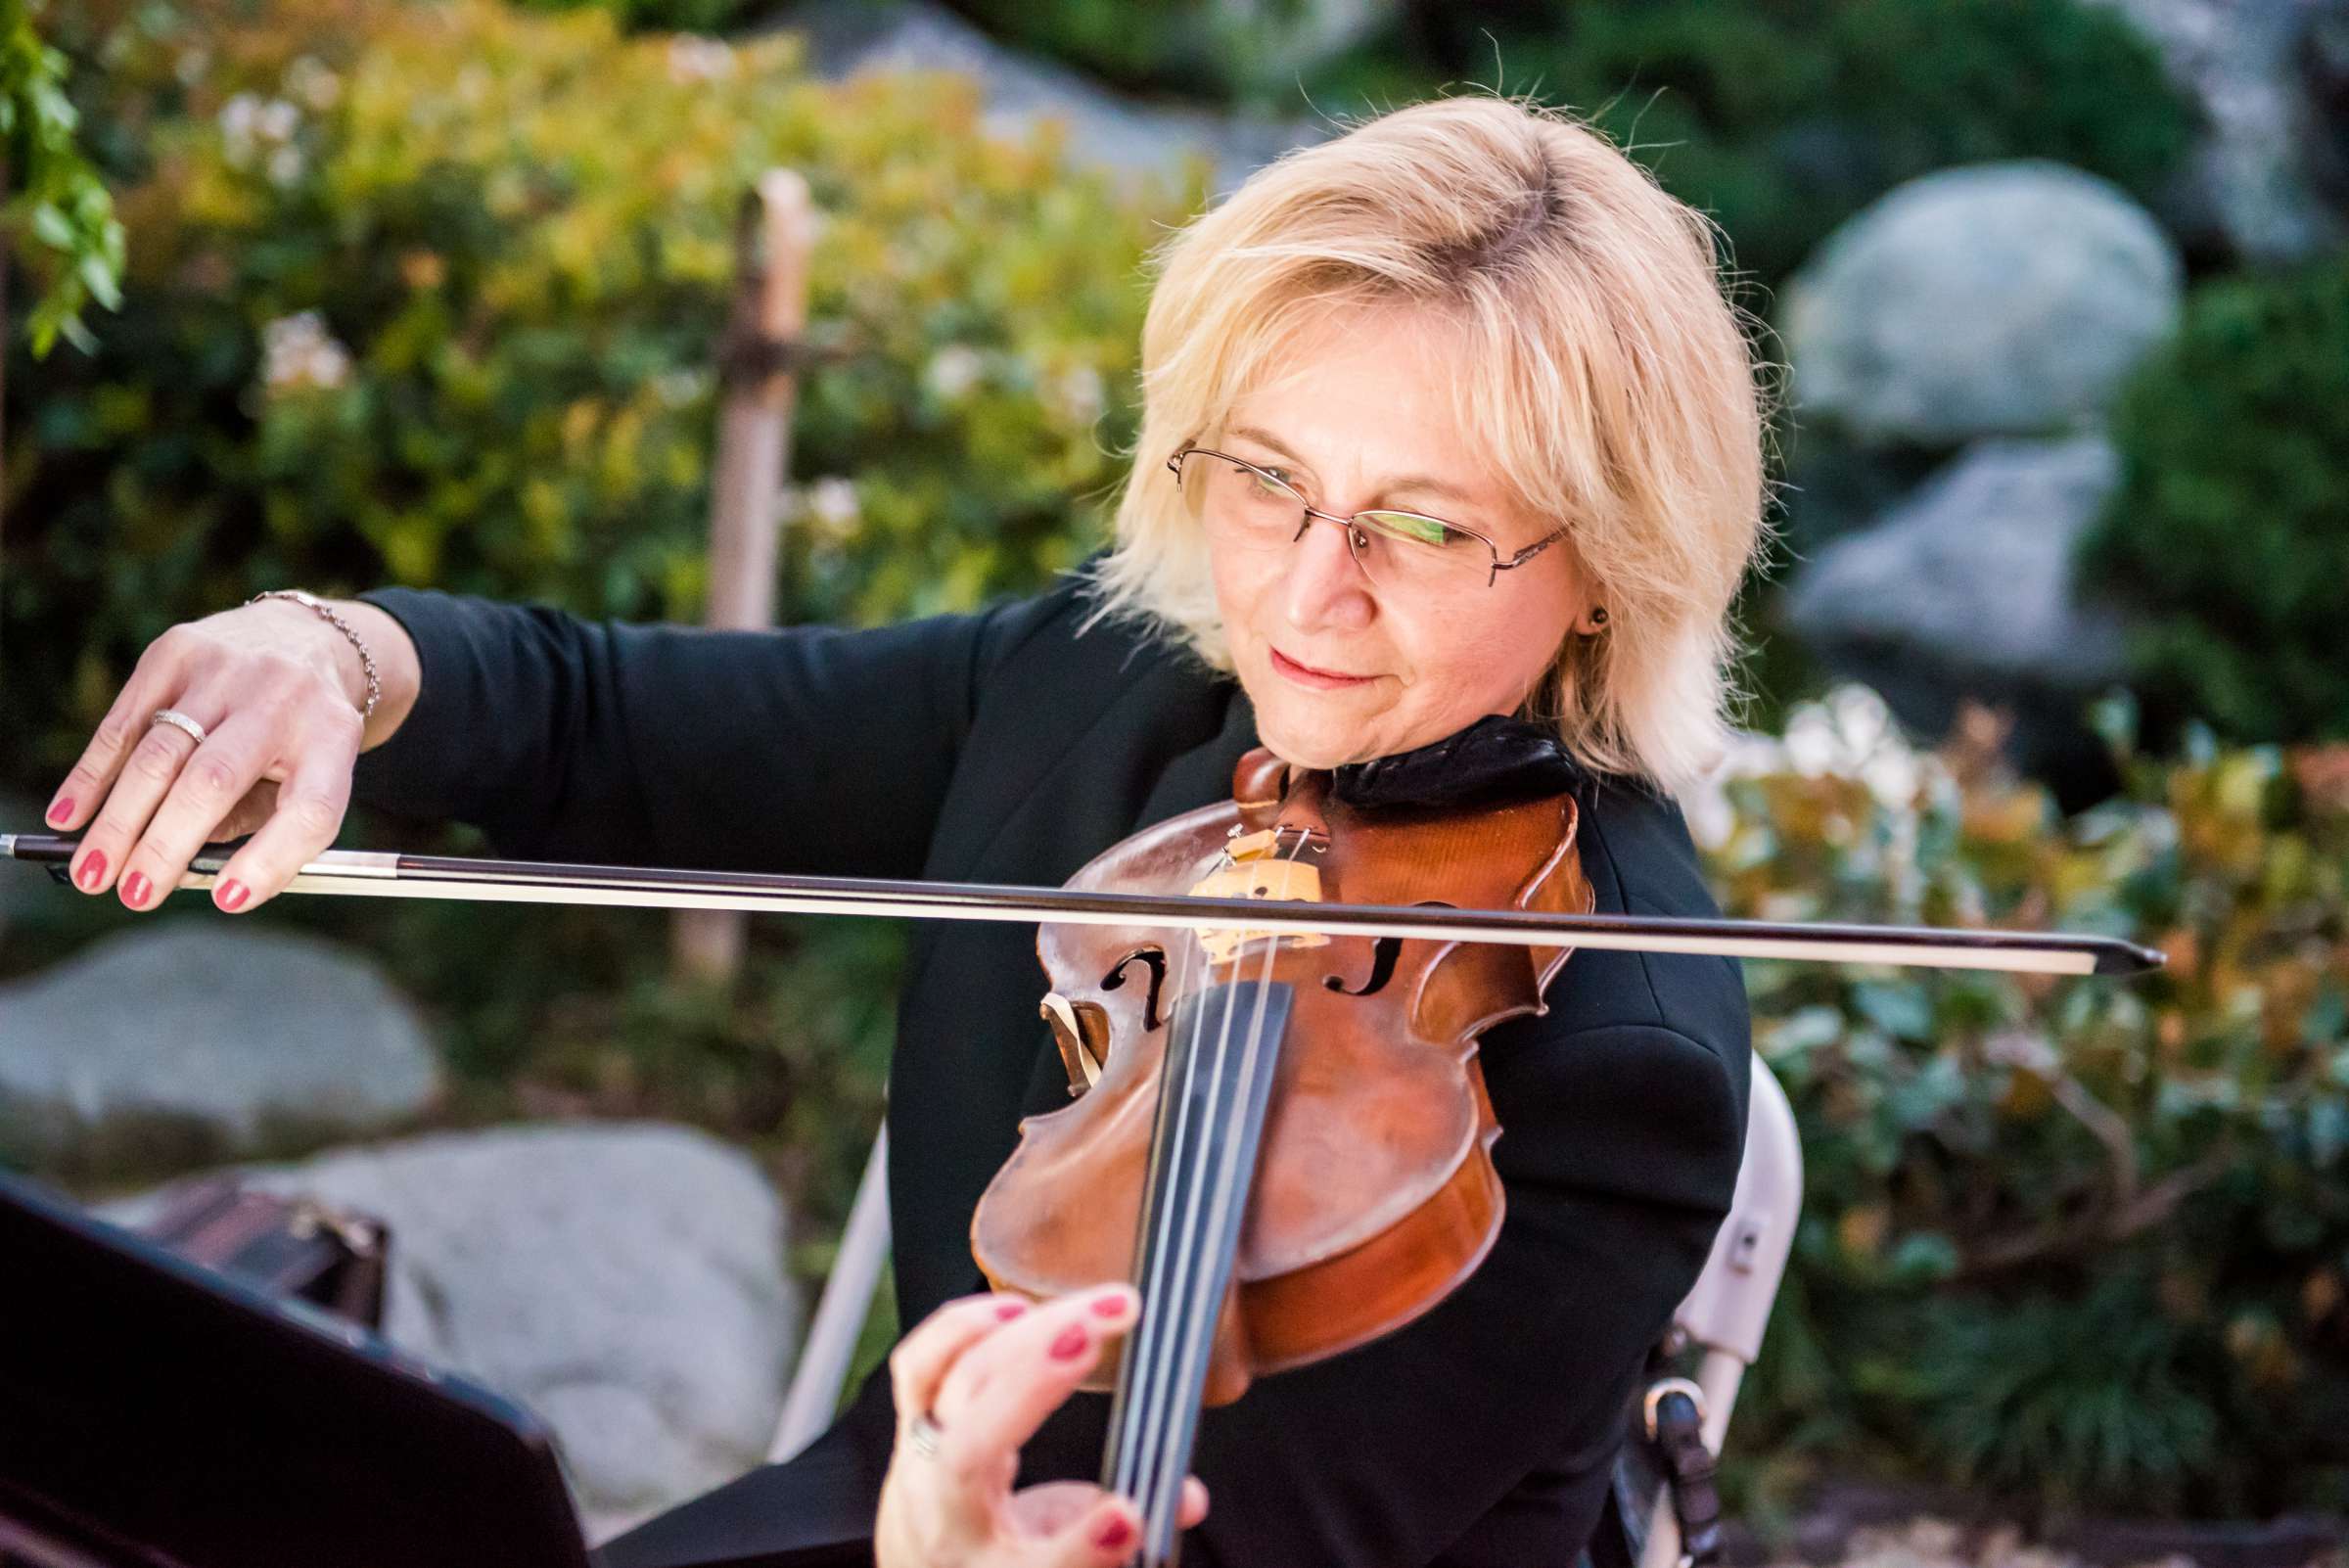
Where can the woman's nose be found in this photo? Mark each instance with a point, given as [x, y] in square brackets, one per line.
[1325, 586]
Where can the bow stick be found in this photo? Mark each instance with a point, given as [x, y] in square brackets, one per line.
[379, 875]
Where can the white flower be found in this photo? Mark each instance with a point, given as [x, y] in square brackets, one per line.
[1891, 776]
[298, 350]
[248, 124]
[832, 506]
[953, 371]
[1862, 721]
[677, 388]
[1811, 738]
[309, 80]
[239, 117]
[238, 120]
[284, 165]
[1078, 394]
[692, 57]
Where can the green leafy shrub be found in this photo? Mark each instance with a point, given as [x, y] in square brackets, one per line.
[53, 197]
[431, 294]
[2228, 537]
[1784, 118]
[2081, 1240]
[685, 15]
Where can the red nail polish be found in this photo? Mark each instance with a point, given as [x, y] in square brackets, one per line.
[92, 872]
[1113, 1306]
[62, 812]
[1070, 1344]
[1116, 1532]
[233, 895]
[1007, 1311]
[135, 889]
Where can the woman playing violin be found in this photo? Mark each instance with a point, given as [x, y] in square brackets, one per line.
[1444, 418]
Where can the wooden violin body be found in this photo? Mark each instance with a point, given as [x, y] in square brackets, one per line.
[1372, 1192]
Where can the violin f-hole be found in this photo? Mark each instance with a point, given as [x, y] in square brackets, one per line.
[1385, 951]
[1156, 958]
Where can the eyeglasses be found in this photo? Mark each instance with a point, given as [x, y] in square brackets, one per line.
[1256, 509]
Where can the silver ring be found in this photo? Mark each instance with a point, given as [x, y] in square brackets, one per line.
[921, 1434]
[177, 720]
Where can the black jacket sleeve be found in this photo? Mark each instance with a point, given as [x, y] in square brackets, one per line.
[809, 750]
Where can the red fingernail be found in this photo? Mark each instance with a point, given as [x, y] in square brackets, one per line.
[62, 812]
[233, 895]
[1070, 1344]
[92, 872]
[1005, 1312]
[1115, 1534]
[135, 889]
[1112, 1305]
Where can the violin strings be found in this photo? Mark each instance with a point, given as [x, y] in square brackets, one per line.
[1197, 1325]
[1144, 1363]
[1138, 1380]
[1169, 1269]
[1213, 1181]
[1164, 1297]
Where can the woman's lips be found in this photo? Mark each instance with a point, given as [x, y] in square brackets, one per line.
[1305, 675]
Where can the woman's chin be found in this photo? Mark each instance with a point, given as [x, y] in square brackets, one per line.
[1313, 745]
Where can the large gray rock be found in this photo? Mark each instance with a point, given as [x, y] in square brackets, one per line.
[2257, 183]
[226, 1038]
[1964, 589]
[846, 37]
[624, 1282]
[2002, 298]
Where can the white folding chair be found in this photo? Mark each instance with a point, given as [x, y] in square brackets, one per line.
[1723, 1316]
[839, 1312]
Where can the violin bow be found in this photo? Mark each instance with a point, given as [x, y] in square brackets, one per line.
[383, 875]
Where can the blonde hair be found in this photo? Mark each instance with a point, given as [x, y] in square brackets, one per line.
[1606, 373]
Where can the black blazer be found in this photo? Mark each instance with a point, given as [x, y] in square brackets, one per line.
[1004, 746]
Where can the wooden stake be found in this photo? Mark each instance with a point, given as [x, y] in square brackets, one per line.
[758, 390]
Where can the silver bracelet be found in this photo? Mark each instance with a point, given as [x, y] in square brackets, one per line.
[375, 687]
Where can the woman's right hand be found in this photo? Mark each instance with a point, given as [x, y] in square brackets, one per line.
[278, 690]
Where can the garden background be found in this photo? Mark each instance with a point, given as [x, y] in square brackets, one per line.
[341, 293]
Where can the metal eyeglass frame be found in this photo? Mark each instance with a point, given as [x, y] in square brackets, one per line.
[1354, 529]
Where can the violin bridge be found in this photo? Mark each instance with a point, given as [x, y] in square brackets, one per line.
[1255, 867]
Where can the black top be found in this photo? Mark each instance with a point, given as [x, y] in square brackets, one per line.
[1004, 746]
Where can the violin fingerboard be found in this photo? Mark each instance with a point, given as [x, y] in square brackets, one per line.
[1223, 1048]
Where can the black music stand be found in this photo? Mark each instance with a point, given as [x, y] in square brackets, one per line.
[156, 1414]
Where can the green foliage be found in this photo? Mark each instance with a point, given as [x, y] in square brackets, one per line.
[683, 16]
[430, 294]
[2095, 1395]
[55, 198]
[2228, 537]
[2085, 1240]
[1204, 48]
[1783, 119]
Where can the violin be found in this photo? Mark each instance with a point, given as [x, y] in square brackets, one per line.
[1283, 1140]
[1280, 1129]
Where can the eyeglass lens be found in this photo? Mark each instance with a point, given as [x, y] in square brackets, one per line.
[1253, 509]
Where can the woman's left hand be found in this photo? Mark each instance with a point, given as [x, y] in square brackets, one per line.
[985, 1371]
